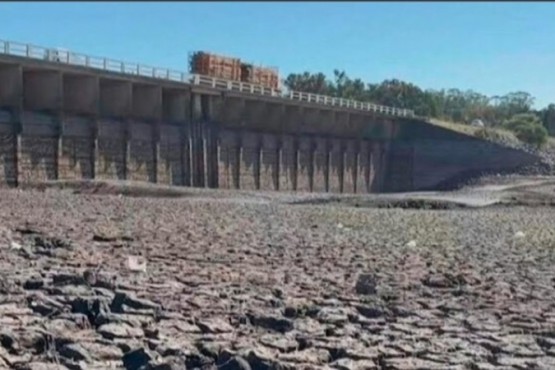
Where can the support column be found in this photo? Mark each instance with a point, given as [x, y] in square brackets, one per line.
[321, 166]
[269, 169]
[337, 164]
[250, 160]
[288, 161]
[11, 106]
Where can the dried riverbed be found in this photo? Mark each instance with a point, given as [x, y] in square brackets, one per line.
[249, 281]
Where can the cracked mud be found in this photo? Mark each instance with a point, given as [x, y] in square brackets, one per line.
[91, 281]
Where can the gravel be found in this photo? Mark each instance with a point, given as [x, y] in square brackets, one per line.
[248, 281]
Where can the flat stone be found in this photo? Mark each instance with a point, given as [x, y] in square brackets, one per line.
[214, 326]
[111, 331]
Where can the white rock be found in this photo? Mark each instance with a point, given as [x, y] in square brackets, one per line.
[136, 264]
[15, 246]
[411, 244]
[340, 225]
[519, 235]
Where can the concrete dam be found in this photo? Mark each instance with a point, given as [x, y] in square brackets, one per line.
[64, 119]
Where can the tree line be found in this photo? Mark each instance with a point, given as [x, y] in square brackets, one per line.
[447, 104]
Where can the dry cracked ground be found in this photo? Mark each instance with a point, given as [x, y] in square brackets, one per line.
[245, 281]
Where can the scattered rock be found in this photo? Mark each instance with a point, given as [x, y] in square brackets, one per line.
[136, 359]
[214, 326]
[271, 322]
[366, 284]
[111, 331]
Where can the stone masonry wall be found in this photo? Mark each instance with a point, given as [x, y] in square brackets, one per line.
[75, 156]
[111, 151]
[141, 160]
[82, 148]
[8, 171]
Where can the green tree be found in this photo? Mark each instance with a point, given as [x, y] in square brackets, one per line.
[527, 128]
[548, 119]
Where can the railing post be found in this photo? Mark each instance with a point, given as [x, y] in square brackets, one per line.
[7, 47]
[28, 50]
[167, 74]
[87, 61]
[138, 69]
[104, 63]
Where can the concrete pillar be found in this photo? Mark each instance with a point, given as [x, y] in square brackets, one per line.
[11, 92]
[76, 152]
[210, 141]
[305, 164]
[40, 121]
[112, 147]
[8, 149]
[174, 146]
[228, 159]
[337, 165]
[363, 168]
[198, 102]
[141, 165]
[144, 130]
[269, 168]
[321, 165]
[111, 150]
[288, 163]
[38, 147]
[76, 145]
[171, 155]
[350, 170]
[378, 165]
[250, 161]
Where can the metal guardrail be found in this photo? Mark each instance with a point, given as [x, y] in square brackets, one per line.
[106, 64]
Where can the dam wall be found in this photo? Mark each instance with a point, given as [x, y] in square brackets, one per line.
[62, 122]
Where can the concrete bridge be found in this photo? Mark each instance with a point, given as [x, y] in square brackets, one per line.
[72, 116]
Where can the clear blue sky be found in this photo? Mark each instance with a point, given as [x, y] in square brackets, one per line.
[493, 48]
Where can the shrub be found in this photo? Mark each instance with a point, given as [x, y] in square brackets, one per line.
[528, 128]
